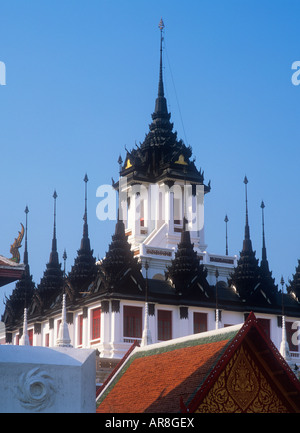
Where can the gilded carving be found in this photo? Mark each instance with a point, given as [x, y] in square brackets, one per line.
[242, 382]
[241, 387]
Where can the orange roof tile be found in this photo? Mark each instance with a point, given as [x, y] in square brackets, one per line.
[182, 368]
[176, 375]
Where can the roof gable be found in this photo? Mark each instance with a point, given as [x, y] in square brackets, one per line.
[182, 374]
[240, 387]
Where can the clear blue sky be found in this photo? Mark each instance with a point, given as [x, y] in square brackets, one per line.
[81, 84]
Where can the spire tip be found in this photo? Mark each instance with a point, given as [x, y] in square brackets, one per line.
[161, 25]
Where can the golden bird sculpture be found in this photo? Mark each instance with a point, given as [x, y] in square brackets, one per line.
[14, 249]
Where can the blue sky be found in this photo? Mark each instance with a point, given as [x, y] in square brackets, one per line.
[81, 82]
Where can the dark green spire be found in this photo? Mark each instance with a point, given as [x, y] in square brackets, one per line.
[54, 253]
[84, 268]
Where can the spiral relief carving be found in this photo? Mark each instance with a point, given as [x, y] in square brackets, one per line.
[36, 390]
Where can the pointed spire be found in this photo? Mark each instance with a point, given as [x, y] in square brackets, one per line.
[264, 261]
[84, 266]
[267, 281]
[284, 346]
[26, 274]
[24, 341]
[247, 245]
[217, 306]
[161, 102]
[65, 259]
[52, 280]
[146, 337]
[63, 339]
[160, 82]
[25, 249]
[226, 221]
[85, 242]
[246, 276]
[186, 263]
[54, 254]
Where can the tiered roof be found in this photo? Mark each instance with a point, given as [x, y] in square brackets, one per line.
[252, 282]
[52, 282]
[84, 270]
[161, 156]
[186, 274]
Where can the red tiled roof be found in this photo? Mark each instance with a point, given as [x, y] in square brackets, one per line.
[183, 367]
[176, 375]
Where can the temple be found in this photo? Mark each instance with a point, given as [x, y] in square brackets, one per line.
[158, 280]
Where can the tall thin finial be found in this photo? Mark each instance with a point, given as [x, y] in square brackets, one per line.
[26, 272]
[247, 245]
[160, 85]
[217, 307]
[284, 346]
[161, 110]
[54, 228]
[54, 254]
[85, 242]
[64, 259]
[264, 250]
[282, 302]
[146, 337]
[226, 221]
[120, 162]
[25, 249]
[246, 198]
[85, 197]
[120, 213]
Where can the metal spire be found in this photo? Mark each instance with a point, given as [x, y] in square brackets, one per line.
[85, 197]
[85, 242]
[120, 211]
[247, 231]
[64, 259]
[27, 272]
[54, 227]
[226, 221]
[284, 346]
[160, 83]
[264, 251]
[217, 308]
[161, 103]
[54, 254]
[26, 250]
[146, 338]
[247, 245]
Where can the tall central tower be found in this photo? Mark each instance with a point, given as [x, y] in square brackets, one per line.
[159, 186]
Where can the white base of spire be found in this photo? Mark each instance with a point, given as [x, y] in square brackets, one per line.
[63, 339]
[284, 347]
[146, 337]
[24, 341]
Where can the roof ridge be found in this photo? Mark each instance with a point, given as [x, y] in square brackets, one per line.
[203, 337]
